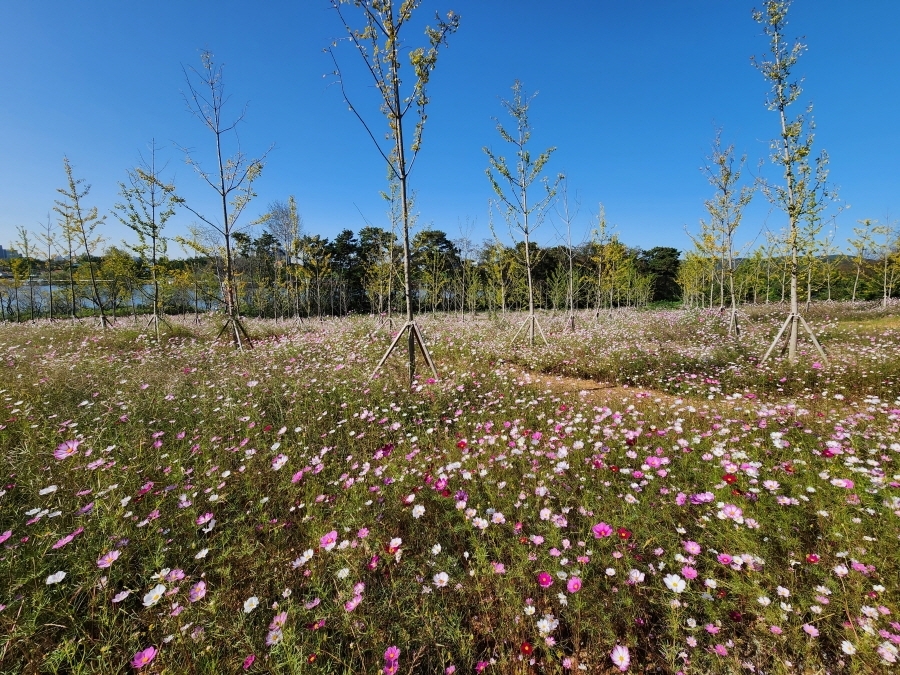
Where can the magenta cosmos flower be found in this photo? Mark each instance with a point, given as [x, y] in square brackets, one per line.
[544, 580]
[143, 657]
[602, 530]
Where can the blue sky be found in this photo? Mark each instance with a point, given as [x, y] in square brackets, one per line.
[629, 92]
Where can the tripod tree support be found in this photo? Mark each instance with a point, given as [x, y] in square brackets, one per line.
[795, 320]
[413, 337]
[534, 328]
[238, 333]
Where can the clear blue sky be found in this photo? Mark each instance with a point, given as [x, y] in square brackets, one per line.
[629, 92]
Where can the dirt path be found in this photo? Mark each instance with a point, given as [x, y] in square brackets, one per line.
[600, 393]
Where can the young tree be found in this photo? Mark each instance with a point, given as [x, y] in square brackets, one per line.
[148, 204]
[21, 271]
[48, 238]
[725, 209]
[232, 178]
[831, 260]
[568, 214]
[79, 226]
[120, 279]
[26, 249]
[804, 192]
[521, 214]
[863, 243]
[600, 237]
[888, 251]
[69, 250]
[379, 44]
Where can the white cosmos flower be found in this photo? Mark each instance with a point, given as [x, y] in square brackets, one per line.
[441, 579]
[250, 604]
[154, 595]
[418, 511]
[675, 583]
[55, 578]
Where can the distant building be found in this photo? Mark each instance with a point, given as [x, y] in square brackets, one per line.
[8, 253]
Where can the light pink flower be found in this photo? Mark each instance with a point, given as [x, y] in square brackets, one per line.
[197, 591]
[67, 449]
[107, 559]
[620, 657]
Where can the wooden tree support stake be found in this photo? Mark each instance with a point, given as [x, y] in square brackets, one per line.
[235, 324]
[532, 322]
[733, 327]
[787, 322]
[414, 337]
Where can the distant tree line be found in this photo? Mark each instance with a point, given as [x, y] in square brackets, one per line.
[283, 272]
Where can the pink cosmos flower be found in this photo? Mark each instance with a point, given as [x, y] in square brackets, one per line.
[248, 662]
[544, 580]
[205, 518]
[278, 621]
[811, 630]
[69, 537]
[67, 449]
[107, 559]
[692, 547]
[689, 572]
[573, 585]
[620, 657]
[721, 650]
[392, 653]
[143, 657]
[120, 596]
[6, 535]
[329, 540]
[197, 591]
[602, 530]
[724, 558]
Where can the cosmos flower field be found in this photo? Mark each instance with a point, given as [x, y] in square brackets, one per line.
[639, 496]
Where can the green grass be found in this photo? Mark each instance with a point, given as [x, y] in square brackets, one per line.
[191, 421]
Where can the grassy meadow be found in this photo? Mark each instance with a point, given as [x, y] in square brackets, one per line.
[640, 495]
